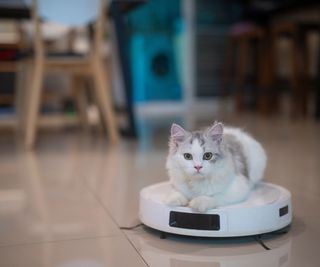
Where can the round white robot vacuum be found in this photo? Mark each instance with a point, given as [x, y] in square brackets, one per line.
[267, 209]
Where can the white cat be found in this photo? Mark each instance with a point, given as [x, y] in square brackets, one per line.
[212, 168]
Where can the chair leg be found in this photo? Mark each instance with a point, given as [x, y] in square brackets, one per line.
[22, 78]
[101, 128]
[240, 74]
[227, 68]
[317, 104]
[304, 75]
[266, 77]
[33, 104]
[79, 94]
[103, 96]
[317, 92]
[299, 94]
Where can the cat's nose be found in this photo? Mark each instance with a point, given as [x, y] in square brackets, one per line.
[198, 167]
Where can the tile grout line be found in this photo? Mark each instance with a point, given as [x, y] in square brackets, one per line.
[56, 241]
[83, 180]
[132, 244]
[108, 213]
[3, 245]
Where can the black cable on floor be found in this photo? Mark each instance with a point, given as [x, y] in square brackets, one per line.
[131, 228]
[258, 239]
[282, 231]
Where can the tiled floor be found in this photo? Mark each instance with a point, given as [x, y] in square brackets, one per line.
[68, 202]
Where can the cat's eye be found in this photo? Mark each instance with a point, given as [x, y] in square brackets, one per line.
[187, 156]
[207, 156]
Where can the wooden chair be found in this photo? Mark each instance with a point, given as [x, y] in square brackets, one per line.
[91, 66]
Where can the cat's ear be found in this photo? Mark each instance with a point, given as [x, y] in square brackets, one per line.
[215, 132]
[178, 134]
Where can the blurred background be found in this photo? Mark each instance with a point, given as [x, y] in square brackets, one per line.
[88, 92]
[183, 59]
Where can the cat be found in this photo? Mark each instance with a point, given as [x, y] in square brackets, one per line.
[212, 168]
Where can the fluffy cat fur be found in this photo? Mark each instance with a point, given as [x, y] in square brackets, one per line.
[238, 162]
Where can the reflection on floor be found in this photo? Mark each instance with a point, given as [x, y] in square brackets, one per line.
[68, 202]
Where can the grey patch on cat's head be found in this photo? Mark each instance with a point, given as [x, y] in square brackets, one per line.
[199, 136]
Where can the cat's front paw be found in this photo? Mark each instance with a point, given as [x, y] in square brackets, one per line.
[202, 204]
[176, 199]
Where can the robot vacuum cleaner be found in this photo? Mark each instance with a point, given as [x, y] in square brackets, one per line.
[267, 209]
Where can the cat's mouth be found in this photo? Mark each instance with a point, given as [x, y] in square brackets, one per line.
[198, 174]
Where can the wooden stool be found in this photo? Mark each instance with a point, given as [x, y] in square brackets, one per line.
[297, 33]
[241, 36]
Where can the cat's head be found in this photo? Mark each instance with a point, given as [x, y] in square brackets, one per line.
[197, 153]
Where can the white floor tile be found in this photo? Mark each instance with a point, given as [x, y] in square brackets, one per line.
[43, 201]
[98, 252]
